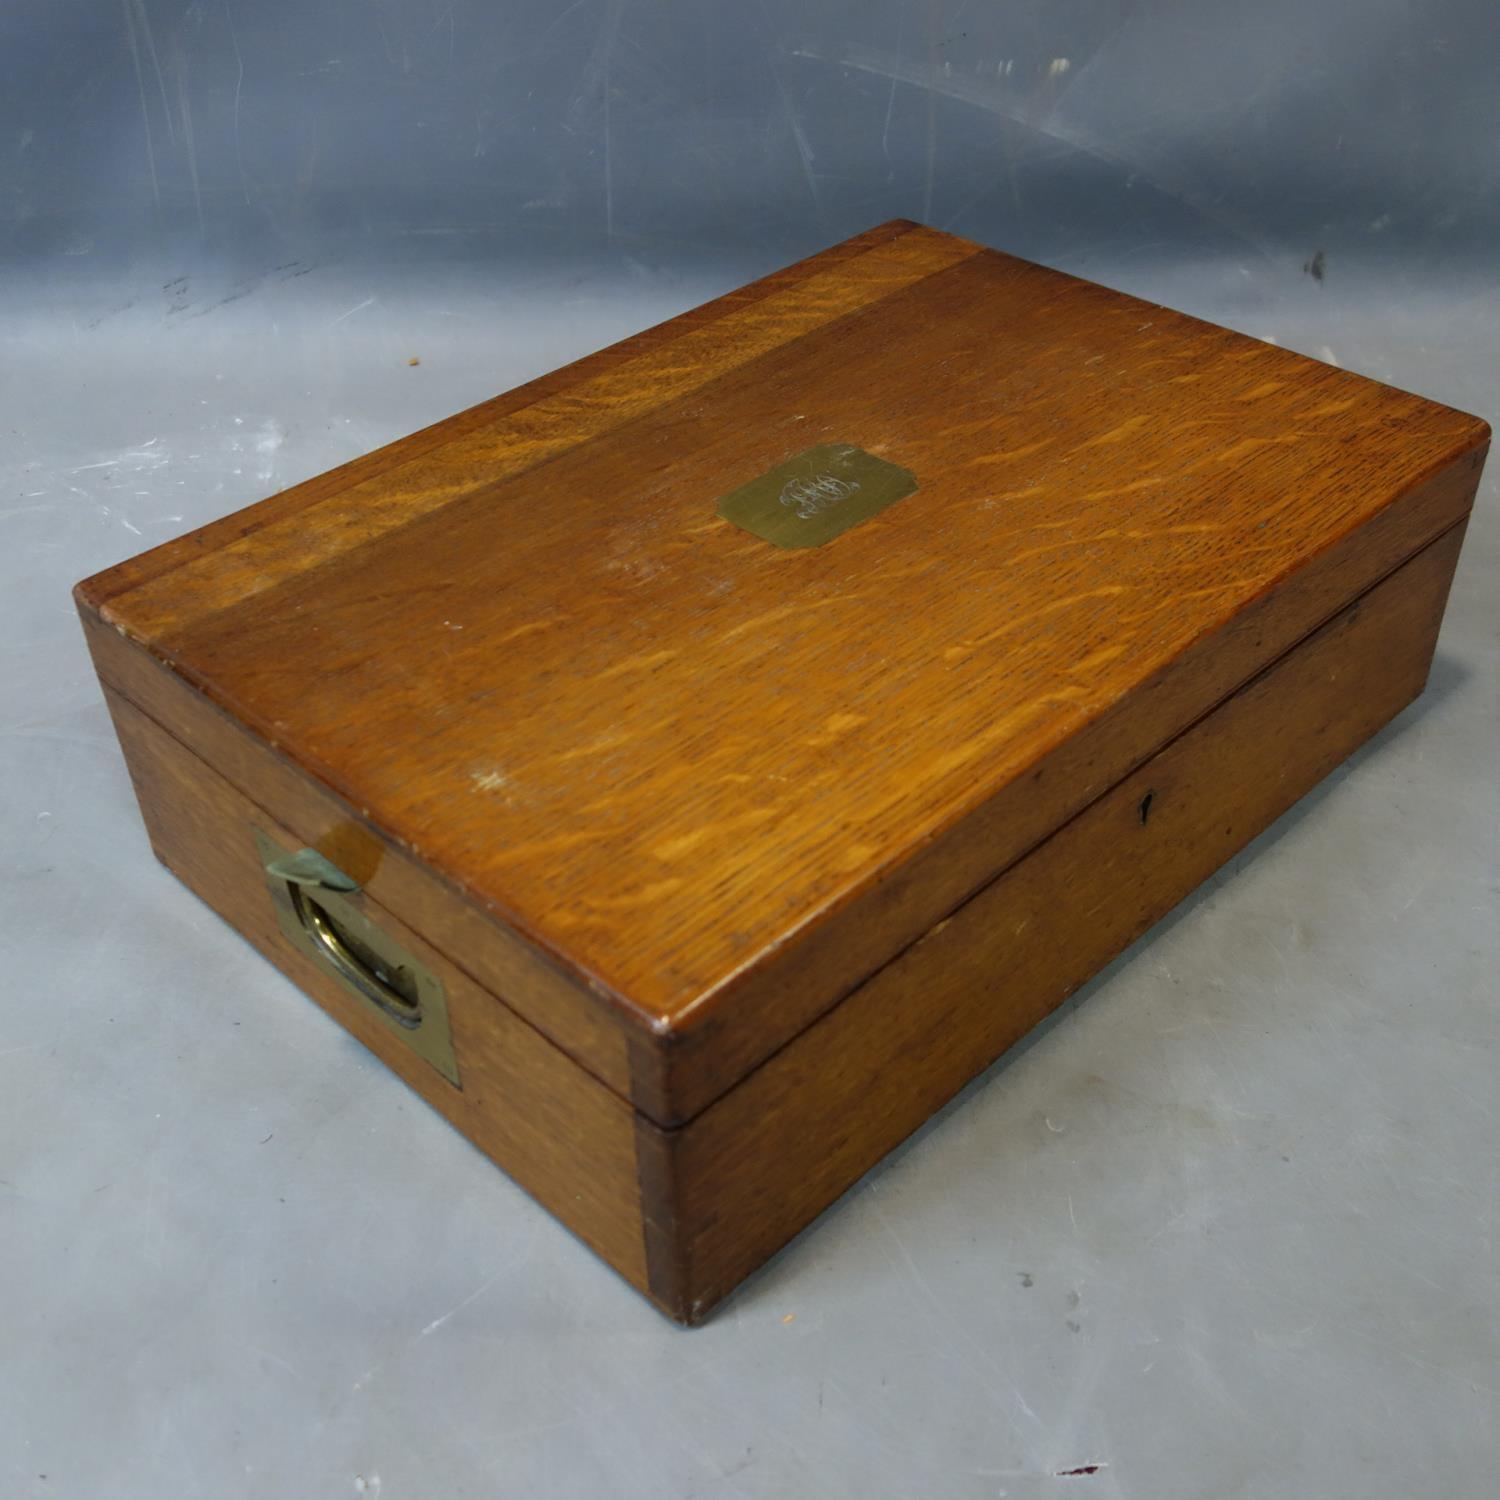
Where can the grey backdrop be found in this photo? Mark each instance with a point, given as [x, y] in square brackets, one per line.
[664, 130]
[1224, 1228]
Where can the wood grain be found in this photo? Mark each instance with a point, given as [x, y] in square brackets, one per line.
[736, 862]
[738, 1181]
[703, 786]
[466, 456]
[758, 1008]
[566, 1138]
[490, 952]
[301, 500]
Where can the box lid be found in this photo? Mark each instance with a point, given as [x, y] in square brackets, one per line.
[720, 778]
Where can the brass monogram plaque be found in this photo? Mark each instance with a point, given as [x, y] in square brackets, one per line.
[816, 496]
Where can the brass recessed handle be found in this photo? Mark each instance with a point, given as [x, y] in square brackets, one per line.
[311, 898]
[391, 986]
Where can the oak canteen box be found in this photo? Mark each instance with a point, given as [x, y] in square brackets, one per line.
[690, 769]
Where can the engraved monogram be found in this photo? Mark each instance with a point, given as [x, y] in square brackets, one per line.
[810, 496]
[814, 496]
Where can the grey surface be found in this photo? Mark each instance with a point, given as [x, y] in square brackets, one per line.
[1225, 1227]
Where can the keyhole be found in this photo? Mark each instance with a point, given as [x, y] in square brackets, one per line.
[1146, 802]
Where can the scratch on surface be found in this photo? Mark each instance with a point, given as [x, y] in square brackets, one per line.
[1357, 1329]
[144, 457]
[433, 1326]
[804, 151]
[980, 1351]
[557, 20]
[473, 1296]
[1171, 1224]
[161, 83]
[239, 85]
[995, 97]
[189, 140]
[930, 173]
[267, 441]
[276, 1359]
[890, 103]
[140, 79]
[358, 307]
[611, 29]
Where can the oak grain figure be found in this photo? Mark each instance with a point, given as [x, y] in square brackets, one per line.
[737, 851]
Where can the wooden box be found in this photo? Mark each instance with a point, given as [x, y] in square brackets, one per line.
[690, 769]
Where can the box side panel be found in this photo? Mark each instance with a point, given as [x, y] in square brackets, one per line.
[760, 1009]
[495, 957]
[764, 1160]
[558, 1131]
